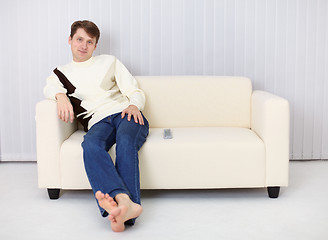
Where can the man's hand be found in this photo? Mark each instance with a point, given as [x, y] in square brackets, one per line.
[64, 108]
[132, 110]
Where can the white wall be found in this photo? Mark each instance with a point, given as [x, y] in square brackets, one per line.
[282, 45]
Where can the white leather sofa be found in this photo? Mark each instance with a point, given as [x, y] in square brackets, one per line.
[225, 135]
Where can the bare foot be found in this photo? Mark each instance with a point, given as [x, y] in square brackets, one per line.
[107, 203]
[126, 210]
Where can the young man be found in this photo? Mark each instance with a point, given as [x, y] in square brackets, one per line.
[105, 98]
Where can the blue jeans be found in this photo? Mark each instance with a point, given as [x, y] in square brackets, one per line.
[123, 177]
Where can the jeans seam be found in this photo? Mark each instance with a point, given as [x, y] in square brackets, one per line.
[136, 168]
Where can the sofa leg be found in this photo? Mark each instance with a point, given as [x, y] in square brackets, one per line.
[53, 193]
[273, 192]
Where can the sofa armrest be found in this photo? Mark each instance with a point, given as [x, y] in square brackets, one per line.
[270, 120]
[51, 132]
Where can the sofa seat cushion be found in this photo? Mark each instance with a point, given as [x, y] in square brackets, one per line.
[213, 157]
[73, 175]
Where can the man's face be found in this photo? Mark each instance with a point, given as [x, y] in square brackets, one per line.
[82, 45]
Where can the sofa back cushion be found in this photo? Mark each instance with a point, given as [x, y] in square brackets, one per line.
[196, 101]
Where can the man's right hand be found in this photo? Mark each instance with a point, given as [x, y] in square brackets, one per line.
[64, 108]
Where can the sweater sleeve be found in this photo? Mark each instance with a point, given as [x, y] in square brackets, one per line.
[128, 86]
[53, 86]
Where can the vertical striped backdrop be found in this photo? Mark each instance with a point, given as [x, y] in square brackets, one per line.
[282, 45]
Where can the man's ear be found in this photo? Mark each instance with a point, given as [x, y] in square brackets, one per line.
[69, 40]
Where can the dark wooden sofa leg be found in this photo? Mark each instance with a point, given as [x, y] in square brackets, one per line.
[53, 193]
[273, 192]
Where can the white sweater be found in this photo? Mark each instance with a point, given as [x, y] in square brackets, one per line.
[102, 85]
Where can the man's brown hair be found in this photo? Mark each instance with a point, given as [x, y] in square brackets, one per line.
[91, 29]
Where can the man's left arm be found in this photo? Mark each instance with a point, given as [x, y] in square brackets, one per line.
[129, 88]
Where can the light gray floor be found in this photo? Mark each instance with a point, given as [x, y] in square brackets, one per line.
[301, 211]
